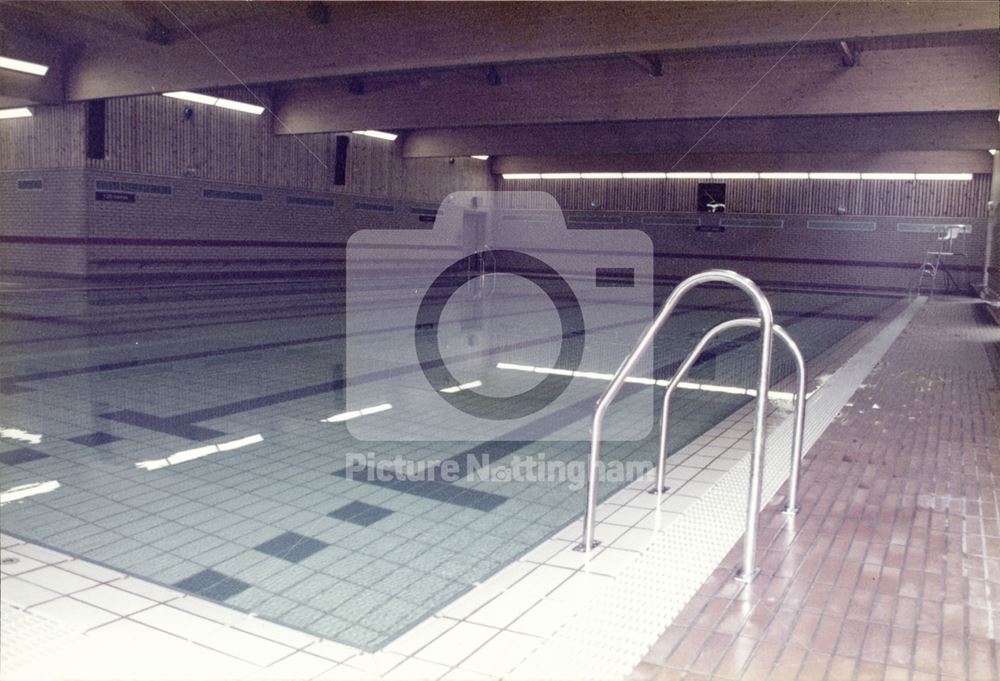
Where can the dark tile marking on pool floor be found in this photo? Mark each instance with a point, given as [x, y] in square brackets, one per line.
[213, 585]
[360, 513]
[23, 455]
[291, 546]
[95, 439]
[444, 492]
[10, 387]
[179, 427]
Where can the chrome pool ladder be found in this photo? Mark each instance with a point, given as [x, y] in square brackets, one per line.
[765, 322]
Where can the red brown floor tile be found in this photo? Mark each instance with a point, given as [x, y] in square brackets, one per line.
[892, 568]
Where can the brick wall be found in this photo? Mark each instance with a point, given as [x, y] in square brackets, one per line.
[43, 217]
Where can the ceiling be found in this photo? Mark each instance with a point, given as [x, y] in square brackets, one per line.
[555, 84]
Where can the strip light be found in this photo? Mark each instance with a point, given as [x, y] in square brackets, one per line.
[481, 158]
[739, 175]
[192, 97]
[22, 112]
[834, 176]
[784, 176]
[377, 133]
[734, 176]
[887, 176]
[239, 106]
[215, 101]
[23, 66]
[961, 177]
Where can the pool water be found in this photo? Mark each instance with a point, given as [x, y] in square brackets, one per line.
[199, 438]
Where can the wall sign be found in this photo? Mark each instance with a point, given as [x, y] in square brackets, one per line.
[116, 197]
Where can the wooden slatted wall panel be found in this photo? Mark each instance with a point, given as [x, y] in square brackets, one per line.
[779, 197]
[150, 136]
[52, 138]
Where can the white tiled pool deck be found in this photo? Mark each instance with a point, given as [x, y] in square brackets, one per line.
[67, 618]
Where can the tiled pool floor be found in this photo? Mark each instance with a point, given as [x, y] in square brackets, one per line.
[185, 428]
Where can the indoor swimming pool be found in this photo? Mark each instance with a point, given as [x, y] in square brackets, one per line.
[200, 436]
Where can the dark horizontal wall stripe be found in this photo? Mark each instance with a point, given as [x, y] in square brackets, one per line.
[841, 225]
[534, 219]
[230, 195]
[135, 187]
[293, 244]
[671, 221]
[220, 262]
[922, 228]
[765, 223]
[29, 184]
[377, 207]
[595, 219]
[797, 261]
[200, 243]
[310, 201]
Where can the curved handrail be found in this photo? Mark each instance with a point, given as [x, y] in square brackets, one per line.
[766, 321]
[791, 508]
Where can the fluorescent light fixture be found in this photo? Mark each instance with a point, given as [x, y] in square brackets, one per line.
[560, 176]
[993, 152]
[22, 112]
[887, 176]
[239, 106]
[23, 66]
[834, 176]
[644, 176]
[734, 176]
[689, 176]
[192, 97]
[348, 415]
[29, 490]
[961, 177]
[601, 176]
[215, 101]
[522, 176]
[377, 133]
[481, 158]
[784, 176]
